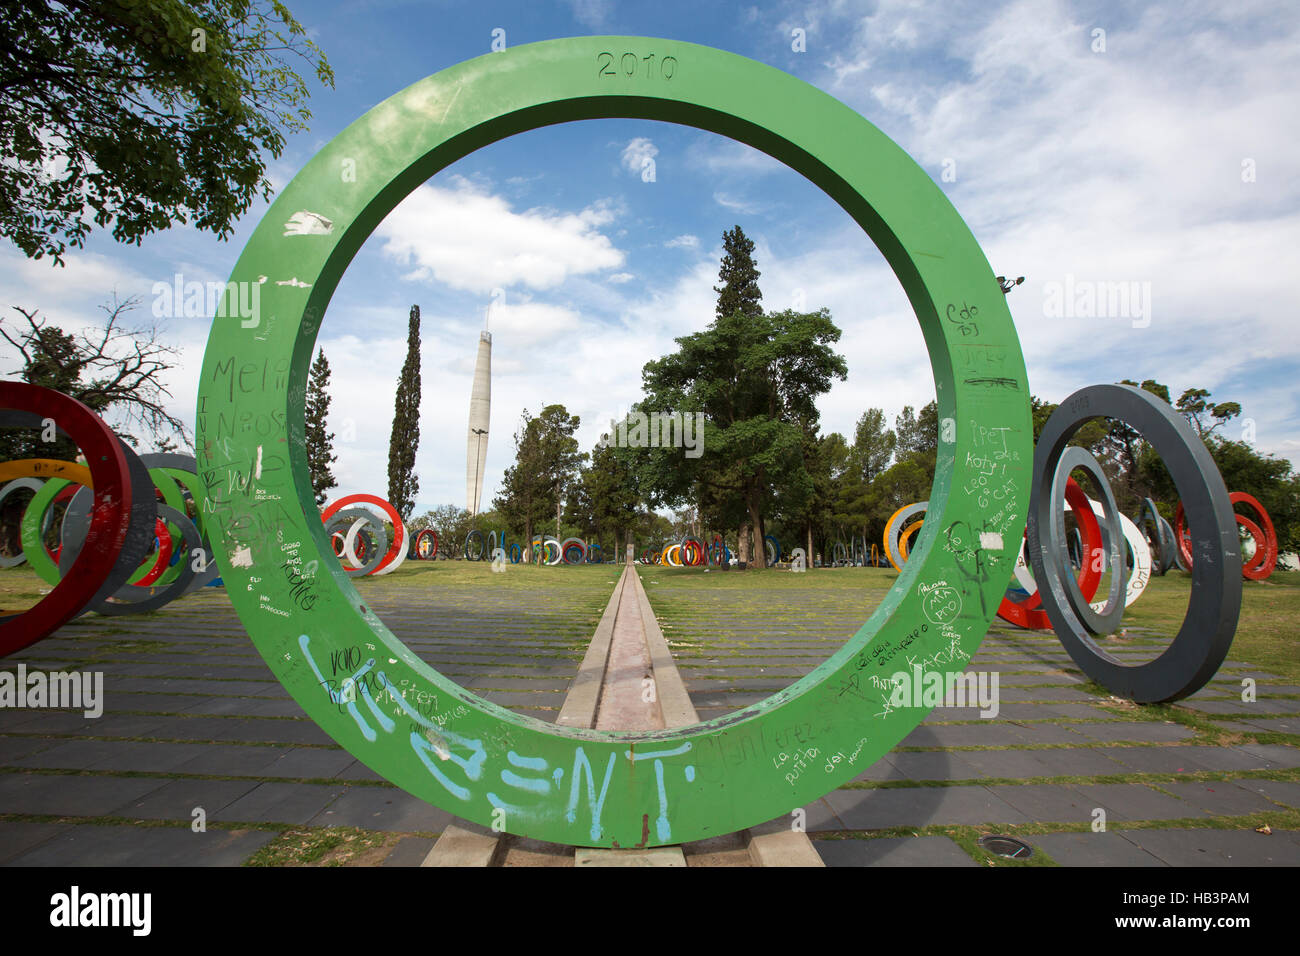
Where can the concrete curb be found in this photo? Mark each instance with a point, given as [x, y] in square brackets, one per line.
[583, 697]
[791, 848]
[767, 845]
[460, 847]
[659, 856]
[674, 700]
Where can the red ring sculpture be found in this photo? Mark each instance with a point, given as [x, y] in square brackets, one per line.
[421, 536]
[91, 576]
[399, 529]
[1264, 560]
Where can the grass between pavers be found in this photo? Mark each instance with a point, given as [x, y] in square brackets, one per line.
[294, 845]
[704, 614]
[761, 642]
[150, 823]
[966, 836]
[328, 846]
[1291, 774]
[173, 775]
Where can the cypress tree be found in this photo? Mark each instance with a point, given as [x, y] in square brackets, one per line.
[403, 483]
[320, 443]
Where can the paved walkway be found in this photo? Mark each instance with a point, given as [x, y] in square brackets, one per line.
[194, 720]
[1181, 785]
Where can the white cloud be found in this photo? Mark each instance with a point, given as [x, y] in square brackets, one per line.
[1123, 165]
[637, 153]
[472, 240]
[718, 155]
[530, 322]
[734, 204]
[591, 13]
[618, 278]
[683, 242]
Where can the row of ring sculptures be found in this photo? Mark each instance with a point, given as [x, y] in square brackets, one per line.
[583, 787]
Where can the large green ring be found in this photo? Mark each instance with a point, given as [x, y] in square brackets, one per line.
[440, 742]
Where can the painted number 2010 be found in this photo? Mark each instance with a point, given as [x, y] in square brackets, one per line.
[629, 64]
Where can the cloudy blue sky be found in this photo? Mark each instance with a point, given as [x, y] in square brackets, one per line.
[1082, 142]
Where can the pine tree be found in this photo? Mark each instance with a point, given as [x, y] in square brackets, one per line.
[320, 443]
[403, 483]
[739, 290]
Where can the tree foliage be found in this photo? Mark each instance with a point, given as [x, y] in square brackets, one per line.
[755, 377]
[609, 494]
[547, 462]
[739, 292]
[320, 442]
[143, 114]
[403, 482]
[115, 370]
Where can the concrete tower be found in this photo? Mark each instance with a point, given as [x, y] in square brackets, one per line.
[480, 411]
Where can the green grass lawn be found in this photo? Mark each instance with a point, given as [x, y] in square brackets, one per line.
[1268, 630]
[1268, 635]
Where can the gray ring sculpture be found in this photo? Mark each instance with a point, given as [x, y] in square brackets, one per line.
[1107, 620]
[1165, 542]
[343, 521]
[1203, 640]
[187, 464]
[134, 599]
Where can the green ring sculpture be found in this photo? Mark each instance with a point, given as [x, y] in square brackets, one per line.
[478, 760]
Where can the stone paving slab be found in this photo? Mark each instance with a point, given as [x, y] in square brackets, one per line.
[1072, 761]
[1134, 731]
[295, 803]
[1257, 708]
[230, 760]
[1006, 763]
[1276, 755]
[100, 845]
[893, 851]
[189, 678]
[1284, 792]
[1043, 733]
[18, 837]
[1047, 802]
[1274, 725]
[935, 765]
[820, 815]
[1133, 801]
[1216, 847]
[1043, 693]
[1220, 798]
[409, 851]
[962, 735]
[381, 808]
[1157, 759]
[15, 748]
[177, 799]
[112, 755]
[919, 806]
[1109, 849]
[62, 795]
